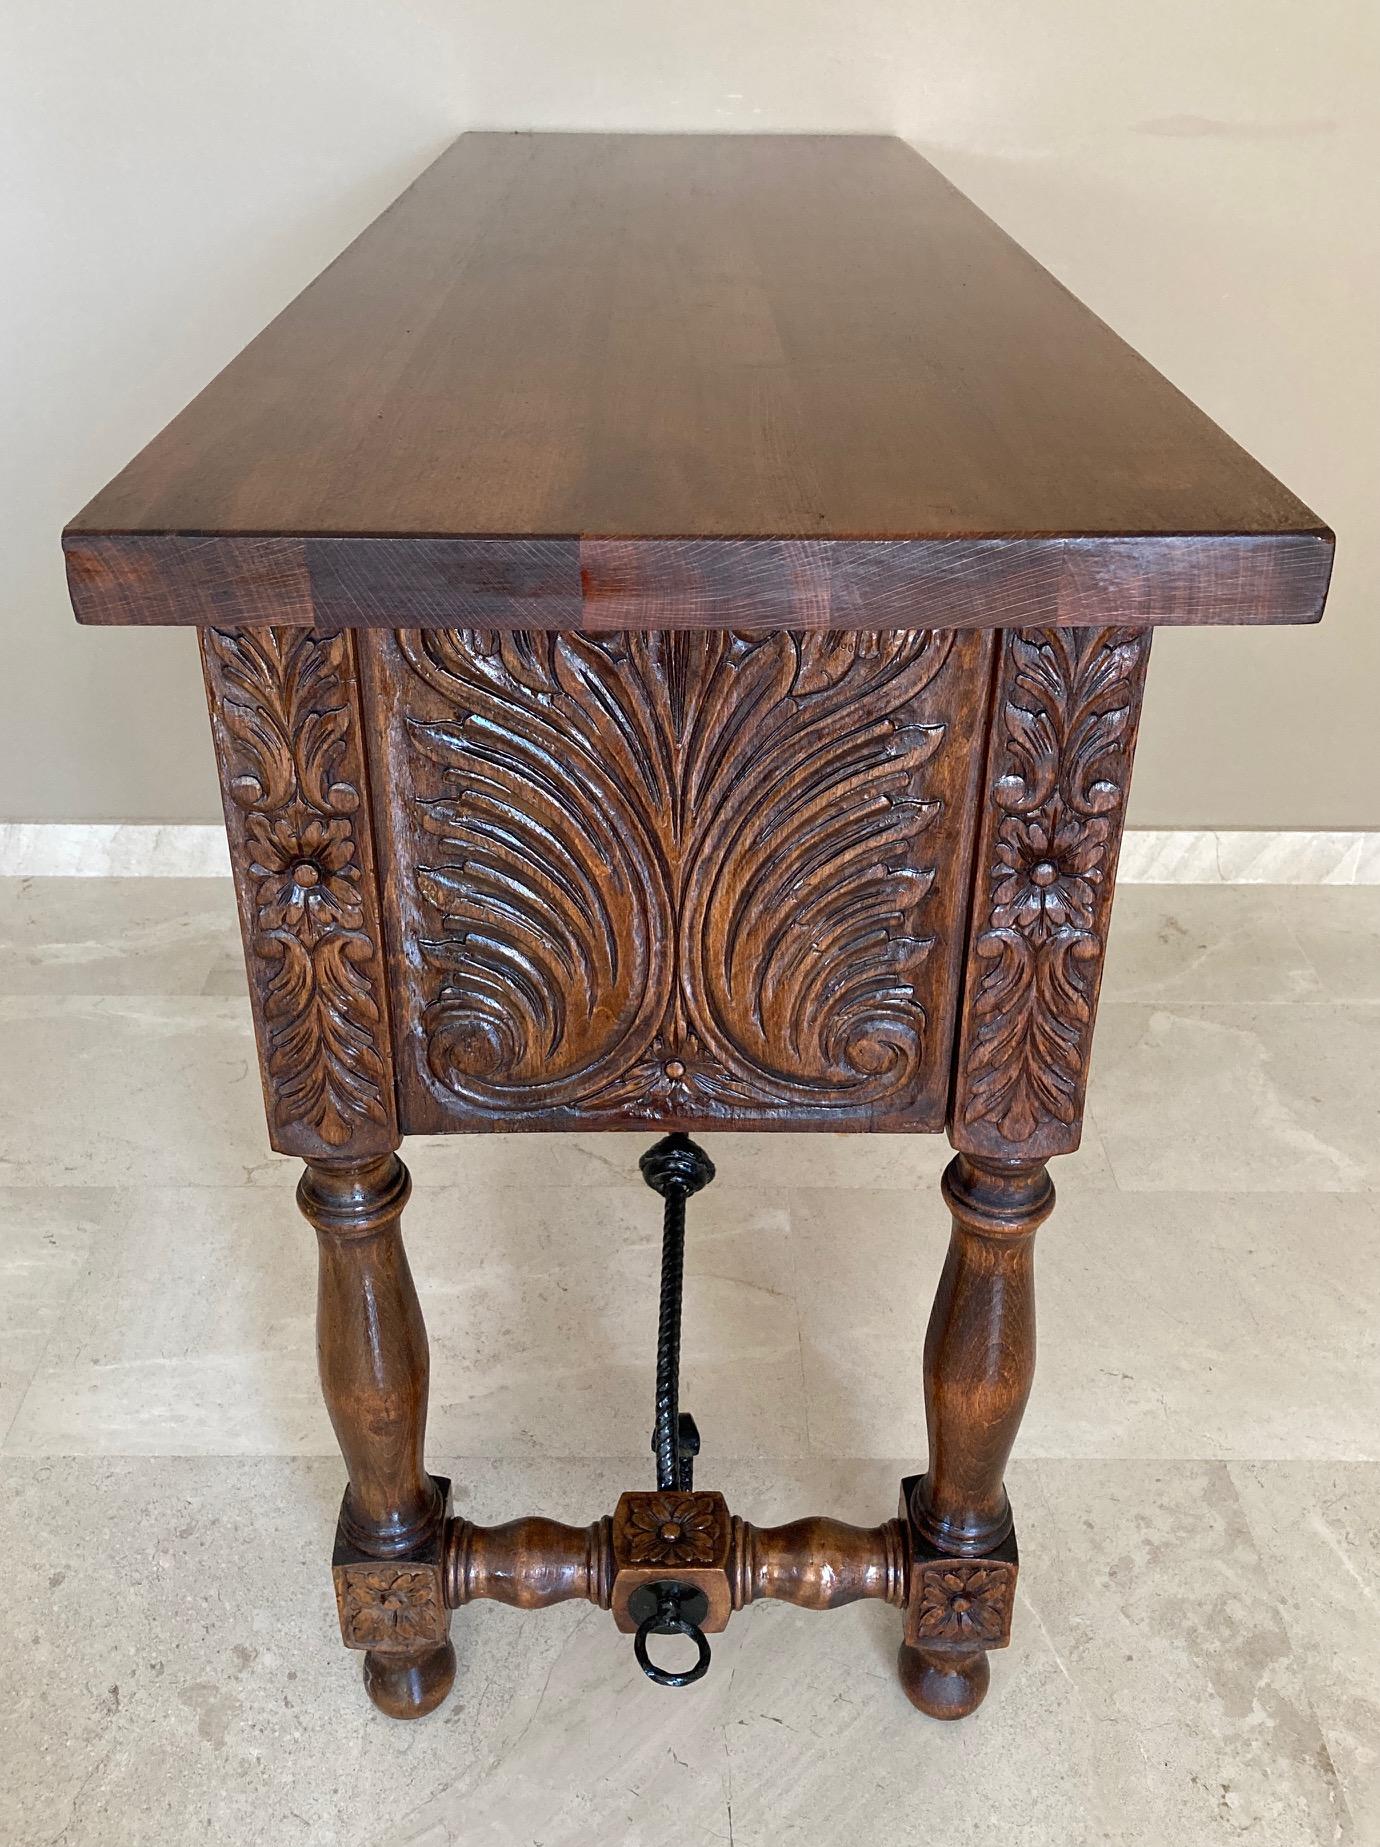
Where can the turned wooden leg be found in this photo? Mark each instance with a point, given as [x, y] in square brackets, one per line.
[372, 1350]
[979, 1362]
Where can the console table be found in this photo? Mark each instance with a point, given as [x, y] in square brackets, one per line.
[675, 612]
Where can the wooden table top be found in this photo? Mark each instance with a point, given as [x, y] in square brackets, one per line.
[604, 380]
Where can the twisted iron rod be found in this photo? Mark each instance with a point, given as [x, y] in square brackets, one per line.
[669, 1470]
[676, 1168]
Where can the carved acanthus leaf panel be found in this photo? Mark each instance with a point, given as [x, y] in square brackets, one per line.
[687, 875]
[1063, 734]
[287, 728]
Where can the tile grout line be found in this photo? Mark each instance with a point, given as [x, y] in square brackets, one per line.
[1186, 856]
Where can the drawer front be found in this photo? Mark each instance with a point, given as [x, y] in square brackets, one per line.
[689, 877]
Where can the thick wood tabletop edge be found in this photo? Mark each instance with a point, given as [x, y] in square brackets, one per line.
[859, 404]
[332, 583]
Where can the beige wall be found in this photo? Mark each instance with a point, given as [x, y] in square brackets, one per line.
[1204, 175]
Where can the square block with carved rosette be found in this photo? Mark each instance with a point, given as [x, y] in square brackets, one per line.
[676, 1535]
[395, 1605]
[959, 1602]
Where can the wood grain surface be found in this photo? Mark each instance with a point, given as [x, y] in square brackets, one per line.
[290, 748]
[699, 877]
[599, 381]
[1065, 717]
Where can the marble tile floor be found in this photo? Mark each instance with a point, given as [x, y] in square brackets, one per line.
[1197, 1652]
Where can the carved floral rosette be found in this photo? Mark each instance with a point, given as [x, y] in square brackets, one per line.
[677, 875]
[390, 1608]
[288, 739]
[961, 1603]
[1064, 724]
[670, 1529]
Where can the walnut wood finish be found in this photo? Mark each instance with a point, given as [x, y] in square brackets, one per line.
[820, 1564]
[1066, 708]
[530, 1564]
[290, 745]
[372, 1352]
[657, 602]
[979, 1365]
[980, 1350]
[944, 1683]
[1173, 580]
[675, 877]
[815, 1563]
[610, 382]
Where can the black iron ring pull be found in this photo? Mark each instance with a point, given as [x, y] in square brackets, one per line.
[666, 1619]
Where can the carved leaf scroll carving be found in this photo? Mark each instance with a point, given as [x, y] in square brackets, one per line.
[290, 764]
[676, 874]
[1066, 714]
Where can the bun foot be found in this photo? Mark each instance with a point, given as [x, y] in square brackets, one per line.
[409, 1686]
[946, 1684]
